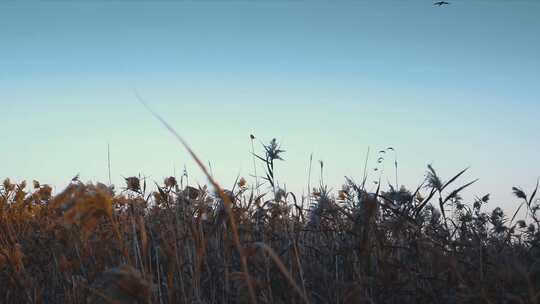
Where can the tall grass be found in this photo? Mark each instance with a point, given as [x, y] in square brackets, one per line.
[181, 243]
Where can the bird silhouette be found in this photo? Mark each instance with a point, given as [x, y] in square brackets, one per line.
[441, 3]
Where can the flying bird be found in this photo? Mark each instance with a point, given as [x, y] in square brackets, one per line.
[382, 151]
[441, 3]
[380, 160]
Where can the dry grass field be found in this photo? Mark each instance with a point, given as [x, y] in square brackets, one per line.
[257, 243]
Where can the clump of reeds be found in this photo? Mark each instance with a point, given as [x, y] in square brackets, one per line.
[180, 243]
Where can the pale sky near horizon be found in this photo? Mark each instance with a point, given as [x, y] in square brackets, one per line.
[454, 86]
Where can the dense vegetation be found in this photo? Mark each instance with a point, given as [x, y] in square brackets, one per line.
[258, 243]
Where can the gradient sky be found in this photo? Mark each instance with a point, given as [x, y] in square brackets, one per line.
[454, 86]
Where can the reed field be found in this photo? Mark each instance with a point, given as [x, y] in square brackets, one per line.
[257, 243]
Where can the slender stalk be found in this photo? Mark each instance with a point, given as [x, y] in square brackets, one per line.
[226, 201]
[254, 164]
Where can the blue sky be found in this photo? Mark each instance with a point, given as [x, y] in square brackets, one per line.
[454, 86]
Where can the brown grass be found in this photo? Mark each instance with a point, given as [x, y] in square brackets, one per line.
[94, 244]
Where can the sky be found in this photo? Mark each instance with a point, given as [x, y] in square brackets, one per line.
[452, 86]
